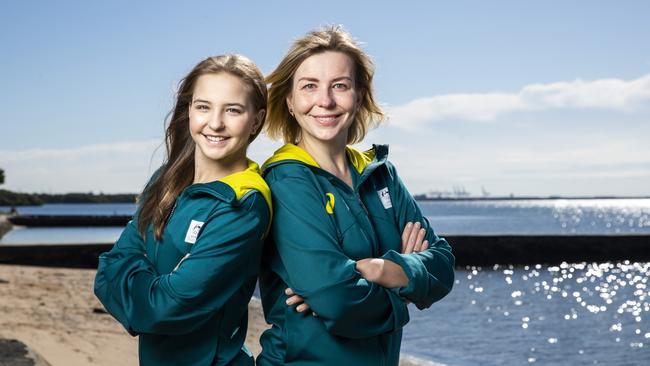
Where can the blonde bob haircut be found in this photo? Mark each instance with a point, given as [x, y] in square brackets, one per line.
[279, 122]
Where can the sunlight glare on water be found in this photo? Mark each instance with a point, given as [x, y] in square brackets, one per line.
[545, 216]
[577, 314]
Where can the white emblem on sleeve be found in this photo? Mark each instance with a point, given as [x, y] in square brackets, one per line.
[385, 198]
[193, 231]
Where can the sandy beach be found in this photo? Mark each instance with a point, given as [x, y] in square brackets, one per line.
[54, 312]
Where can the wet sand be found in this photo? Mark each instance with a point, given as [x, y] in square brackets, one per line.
[54, 312]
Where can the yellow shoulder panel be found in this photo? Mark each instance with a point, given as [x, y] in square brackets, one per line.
[247, 180]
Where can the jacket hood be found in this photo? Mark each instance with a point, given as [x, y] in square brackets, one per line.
[291, 153]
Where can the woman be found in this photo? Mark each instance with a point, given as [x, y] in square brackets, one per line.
[347, 240]
[181, 274]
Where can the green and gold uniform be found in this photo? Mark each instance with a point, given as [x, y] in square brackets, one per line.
[187, 295]
[321, 227]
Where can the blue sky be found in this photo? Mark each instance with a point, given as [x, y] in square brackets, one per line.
[551, 98]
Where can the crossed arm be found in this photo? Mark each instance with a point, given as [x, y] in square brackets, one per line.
[145, 301]
[383, 272]
[423, 271]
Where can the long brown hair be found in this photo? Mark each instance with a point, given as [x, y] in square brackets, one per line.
[279, 122]
[177, 172]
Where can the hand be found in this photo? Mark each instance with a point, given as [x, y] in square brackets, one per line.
[296, 299]
[413, 238]
[383, 272]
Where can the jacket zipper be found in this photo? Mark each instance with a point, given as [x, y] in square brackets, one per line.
[361, 203]
[372, 235]
[169, 218]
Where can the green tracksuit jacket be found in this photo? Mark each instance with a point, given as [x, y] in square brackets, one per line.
[187, 295]
[320, 228]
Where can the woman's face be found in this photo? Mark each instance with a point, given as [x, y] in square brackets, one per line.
[222, 119]
[323, 98]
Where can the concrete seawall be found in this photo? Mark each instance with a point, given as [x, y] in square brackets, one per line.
[469, 250]
[549, 249]
[69, 220]
[5, 225]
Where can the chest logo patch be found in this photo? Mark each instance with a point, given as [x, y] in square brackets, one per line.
[384, 196]
[193, 231]
[329, 206]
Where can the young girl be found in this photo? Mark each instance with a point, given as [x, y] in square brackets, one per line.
[181, 274]
[348, 240]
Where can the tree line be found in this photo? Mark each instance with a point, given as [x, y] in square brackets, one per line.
[9, 198]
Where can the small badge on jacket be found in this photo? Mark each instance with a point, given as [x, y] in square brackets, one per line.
[193, 231]
[385, 198]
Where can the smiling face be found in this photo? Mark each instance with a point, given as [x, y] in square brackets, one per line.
[222, 120]
[324, 99]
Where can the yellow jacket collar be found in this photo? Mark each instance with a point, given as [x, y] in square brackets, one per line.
[247, 180]
[360, 160]
[292, 152]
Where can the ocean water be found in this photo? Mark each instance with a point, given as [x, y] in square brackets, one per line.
[539, 217]
[68, 235]
[491, 217]
[571, 314]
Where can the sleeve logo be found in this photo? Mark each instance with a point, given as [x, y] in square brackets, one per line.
[329, 206]
[385, 198]
[193, 231]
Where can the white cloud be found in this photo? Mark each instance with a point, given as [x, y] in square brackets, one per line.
[118, 167]
[614, 94]
[479, 107]
[81, 152]
[605, 93]
[520, 162]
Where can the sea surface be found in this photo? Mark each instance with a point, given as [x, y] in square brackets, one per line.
[569, 314]
[540, 217]
[69, 235]
[489, 217]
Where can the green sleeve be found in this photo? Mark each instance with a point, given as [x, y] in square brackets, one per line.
[178, 302]
[318, 270]
[129, 246]
[430, 272]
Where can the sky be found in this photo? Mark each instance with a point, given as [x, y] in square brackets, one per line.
[501, 97]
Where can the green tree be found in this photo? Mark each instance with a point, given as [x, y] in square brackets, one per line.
[2, 176]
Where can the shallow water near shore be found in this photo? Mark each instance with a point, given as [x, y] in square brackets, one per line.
[67, 235]
[572, 314]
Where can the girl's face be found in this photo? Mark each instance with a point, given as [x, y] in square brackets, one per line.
[222, 119]
[323, 98]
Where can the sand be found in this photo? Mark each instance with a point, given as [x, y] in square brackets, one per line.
[54, 312]
[51, 311]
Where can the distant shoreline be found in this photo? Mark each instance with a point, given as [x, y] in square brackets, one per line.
[527, 198]
[9, 198]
